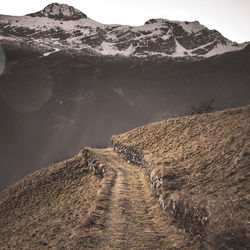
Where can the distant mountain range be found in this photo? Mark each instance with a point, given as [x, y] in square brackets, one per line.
[62, 27]
[68, 81]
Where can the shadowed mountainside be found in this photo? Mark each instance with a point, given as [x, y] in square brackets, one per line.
[58, 100]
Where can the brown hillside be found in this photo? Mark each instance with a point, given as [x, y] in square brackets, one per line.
[65, 206]
[198, 167]
[46, 209]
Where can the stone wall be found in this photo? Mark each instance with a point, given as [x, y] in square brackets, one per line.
[94, 164]
[192, 220]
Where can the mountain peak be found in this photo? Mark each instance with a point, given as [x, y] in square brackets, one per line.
[157, 37]
[58, 11]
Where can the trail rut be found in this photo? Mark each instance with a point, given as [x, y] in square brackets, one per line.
[134, 219]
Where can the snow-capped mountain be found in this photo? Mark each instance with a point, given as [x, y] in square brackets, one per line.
[62, 27]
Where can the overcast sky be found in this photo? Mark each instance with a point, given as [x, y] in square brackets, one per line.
[230, 17]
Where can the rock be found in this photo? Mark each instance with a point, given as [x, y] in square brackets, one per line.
[61, 12]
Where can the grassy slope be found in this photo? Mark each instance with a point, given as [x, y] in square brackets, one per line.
[46, 208]
[201, 163]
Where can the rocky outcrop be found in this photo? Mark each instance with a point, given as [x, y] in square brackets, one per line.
[61, 12]
[94, 164]
[129, 154]
[192, 220]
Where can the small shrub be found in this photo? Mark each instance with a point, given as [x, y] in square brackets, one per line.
[206, 106]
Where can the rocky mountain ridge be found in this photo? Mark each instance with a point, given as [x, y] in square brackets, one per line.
[59, 27]
[58, 11]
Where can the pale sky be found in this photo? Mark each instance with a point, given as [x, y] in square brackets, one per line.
[230, 17]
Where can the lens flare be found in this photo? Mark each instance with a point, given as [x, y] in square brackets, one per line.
[2, 60]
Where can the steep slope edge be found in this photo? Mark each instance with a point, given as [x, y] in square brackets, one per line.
[198, 169]
[57, 206]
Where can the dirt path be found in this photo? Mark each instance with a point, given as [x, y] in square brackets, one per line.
[134, 219]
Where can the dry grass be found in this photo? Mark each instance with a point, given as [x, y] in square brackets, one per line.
[45, 209]
[198, 167]
[202, 163]
[133, 219]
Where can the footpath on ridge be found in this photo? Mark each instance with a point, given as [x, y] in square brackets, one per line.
[133, 218]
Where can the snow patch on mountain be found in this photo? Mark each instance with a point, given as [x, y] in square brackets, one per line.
[108, 48]
[180, 51]
[220, 49]
[52, 31]
[191, 27]
[51, 52]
